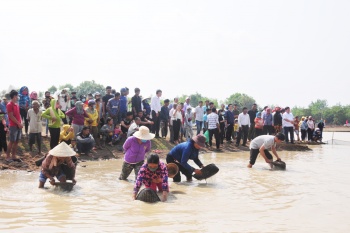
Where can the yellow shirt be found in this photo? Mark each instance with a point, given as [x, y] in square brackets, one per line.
[236, 127]
[92, 116]
[65, 135]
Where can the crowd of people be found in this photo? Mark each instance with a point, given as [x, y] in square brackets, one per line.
[88, 123]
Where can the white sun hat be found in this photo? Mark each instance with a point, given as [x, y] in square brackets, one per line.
[62, 150]
[144, 134]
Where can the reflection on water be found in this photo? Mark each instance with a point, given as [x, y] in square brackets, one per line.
[313, 195]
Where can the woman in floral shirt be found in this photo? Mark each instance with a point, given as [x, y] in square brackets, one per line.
[153, 174]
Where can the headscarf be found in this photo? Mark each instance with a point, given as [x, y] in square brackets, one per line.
[79, 107]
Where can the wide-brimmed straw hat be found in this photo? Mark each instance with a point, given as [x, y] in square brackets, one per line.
[144, 133]
[200, 140]
[62, 150]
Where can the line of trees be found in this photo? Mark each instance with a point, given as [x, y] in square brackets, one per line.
[337, 114]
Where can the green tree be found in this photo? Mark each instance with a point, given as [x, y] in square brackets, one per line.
[52, 89]
[87, 87]
[318, 108]
[67, 85]
[195, 98]
[339, 113]
[241, 99]
[299, 111]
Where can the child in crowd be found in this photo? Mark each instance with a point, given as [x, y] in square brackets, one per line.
[3, 121]
[117, 135]
[235, 129]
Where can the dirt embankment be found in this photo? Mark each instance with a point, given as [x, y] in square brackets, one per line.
[159, 145]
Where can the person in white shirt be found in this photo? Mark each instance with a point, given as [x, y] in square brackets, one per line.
[288, 127]
[177, 118]
[134, 127]
[261, 144]
[35, 125]
[214, 128]
[188, 123]
[155, 110]
[243, 126]
[198, 115]
[171, 126]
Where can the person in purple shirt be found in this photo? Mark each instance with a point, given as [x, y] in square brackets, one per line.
[135, 148]
[78, 114]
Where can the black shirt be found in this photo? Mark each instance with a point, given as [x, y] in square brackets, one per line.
[126, 122]
[106, 98]
[252, 115]
[277, 119]
[136, 103]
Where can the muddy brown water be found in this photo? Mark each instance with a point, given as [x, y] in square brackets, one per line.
[312, 195]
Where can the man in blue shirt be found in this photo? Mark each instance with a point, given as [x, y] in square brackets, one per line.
[183, 152]
[113, 108]
[123, 104]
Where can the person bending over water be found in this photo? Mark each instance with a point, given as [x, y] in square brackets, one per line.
[51, 165]
[261, 144]
[153, 174]
[183, 152]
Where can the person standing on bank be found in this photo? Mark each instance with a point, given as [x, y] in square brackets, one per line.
[135, 148]
[214, 128]
[54, 114]
[252, 114]
[185, 151]
[288, 125]
[243, 124]
[198, 115]
[155, 110]
[15, 130]
[261, 144]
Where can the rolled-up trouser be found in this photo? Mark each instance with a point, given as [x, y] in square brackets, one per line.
[127, 169]
[289, 130]
[303, 134]
[77, 129]
[199, 126]
[55, 136]
[94, 132]
[23, 114]
[189, 132]
[171, 129]
[32, 137]
[254, 154]
[251, 132]
[84, 147]
[183, 170]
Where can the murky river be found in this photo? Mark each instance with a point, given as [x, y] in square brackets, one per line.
[313, 195]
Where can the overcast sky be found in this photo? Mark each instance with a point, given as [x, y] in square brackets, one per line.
[279, 52]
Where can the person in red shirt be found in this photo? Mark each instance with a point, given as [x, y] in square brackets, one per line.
[15, 126]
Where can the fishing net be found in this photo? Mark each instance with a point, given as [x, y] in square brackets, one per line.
[207, 172]
[148, 195]
[337, 142]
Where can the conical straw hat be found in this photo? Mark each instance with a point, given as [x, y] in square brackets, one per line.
[62, 150]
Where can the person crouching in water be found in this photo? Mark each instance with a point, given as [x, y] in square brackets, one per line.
[51, 166]
[135, 148]
[261, 144]
[185, 151]
[153, 174]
